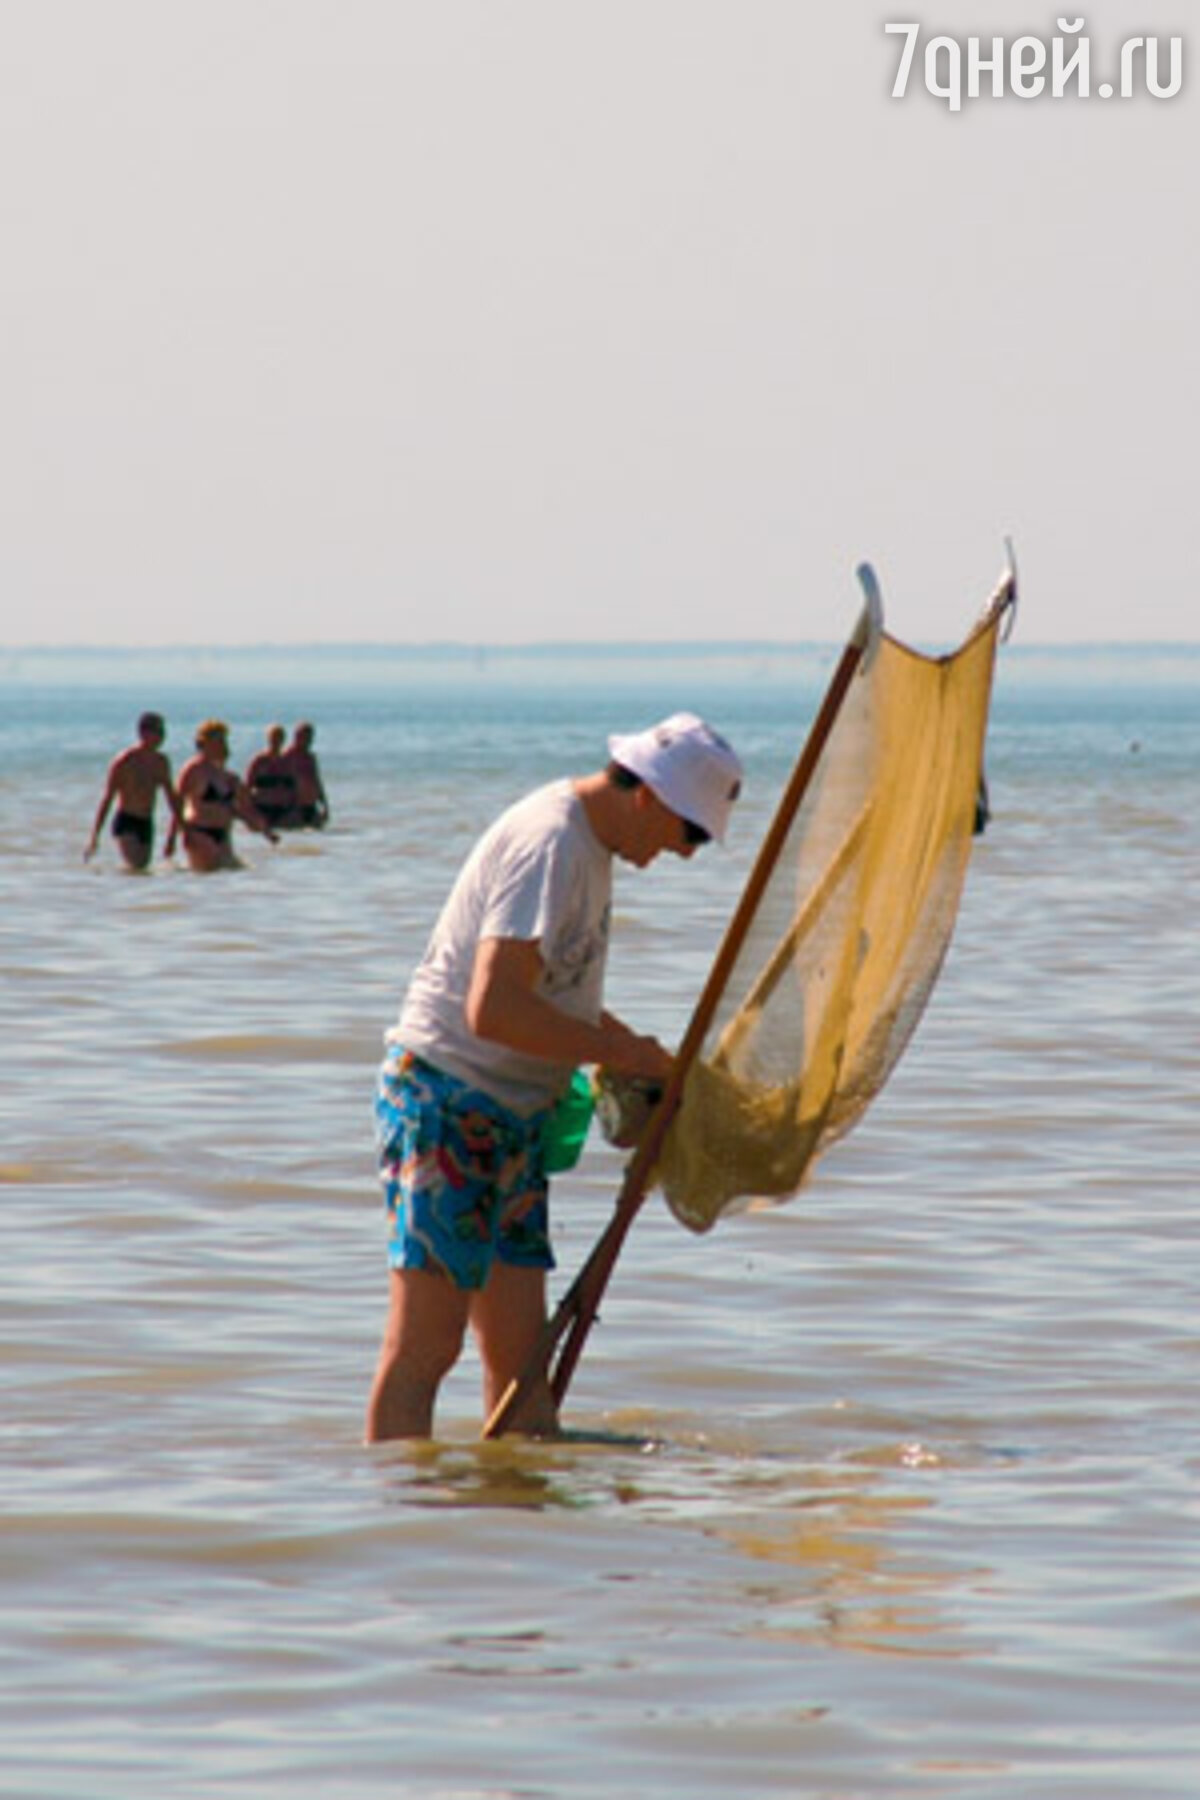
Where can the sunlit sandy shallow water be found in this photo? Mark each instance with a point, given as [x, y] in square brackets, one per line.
[892, 1491]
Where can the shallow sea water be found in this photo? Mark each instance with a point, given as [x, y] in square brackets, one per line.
[889, 1491]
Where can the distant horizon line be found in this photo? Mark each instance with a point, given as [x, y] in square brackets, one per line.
[611, 647]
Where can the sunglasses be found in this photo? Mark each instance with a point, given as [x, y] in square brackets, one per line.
[695, 834]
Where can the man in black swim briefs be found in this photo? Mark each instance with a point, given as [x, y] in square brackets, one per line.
[134, 780]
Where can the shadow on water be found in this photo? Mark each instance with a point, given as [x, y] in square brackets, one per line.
[833, 1552]
[573, 1472]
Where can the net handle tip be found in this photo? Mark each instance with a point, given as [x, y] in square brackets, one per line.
[869, 629]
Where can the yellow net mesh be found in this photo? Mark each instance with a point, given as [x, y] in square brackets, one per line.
[847, 941]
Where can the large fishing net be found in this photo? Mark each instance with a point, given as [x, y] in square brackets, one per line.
[849, 935]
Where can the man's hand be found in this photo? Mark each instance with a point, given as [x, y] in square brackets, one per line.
[627, 1053]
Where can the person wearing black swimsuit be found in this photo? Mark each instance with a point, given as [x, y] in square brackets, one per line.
[212, 796]
[135, 779]
[271, 782]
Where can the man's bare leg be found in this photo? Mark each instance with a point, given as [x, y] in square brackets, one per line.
[507, 1315]
[427, 1317]
[134, 849]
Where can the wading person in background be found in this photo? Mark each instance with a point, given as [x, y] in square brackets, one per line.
[135, 778]
[311, 808]
[270, 780]
[504, 1006]
[211, 797]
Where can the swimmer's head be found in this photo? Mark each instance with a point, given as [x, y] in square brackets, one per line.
[213, 734]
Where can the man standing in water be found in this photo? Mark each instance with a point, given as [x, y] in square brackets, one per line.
[505, 1004]
[299, 760]
[134, 779]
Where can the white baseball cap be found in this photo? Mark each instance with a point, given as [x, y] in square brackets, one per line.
[688, 765]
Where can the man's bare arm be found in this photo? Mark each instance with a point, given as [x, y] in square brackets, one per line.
[106, 800]
[503, 1005]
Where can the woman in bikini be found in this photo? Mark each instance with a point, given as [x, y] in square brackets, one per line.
[271, 782]
[212, 796]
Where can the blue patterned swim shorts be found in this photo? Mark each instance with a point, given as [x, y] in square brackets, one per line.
[463, 1178]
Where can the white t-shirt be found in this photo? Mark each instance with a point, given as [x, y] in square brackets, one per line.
[538, 874]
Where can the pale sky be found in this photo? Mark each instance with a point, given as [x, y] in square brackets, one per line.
[367, 321]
